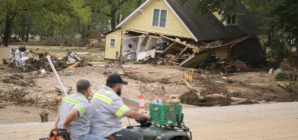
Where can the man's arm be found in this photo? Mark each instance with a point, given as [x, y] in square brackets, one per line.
[72, 115]
[135, 115]
[57, 120]
[132, 108]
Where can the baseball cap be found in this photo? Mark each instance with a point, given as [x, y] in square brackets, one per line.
[116, 78]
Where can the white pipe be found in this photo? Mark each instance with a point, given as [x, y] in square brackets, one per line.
[56, 74]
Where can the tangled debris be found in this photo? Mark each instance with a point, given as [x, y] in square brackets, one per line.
[35, 60]
[30, 96]
[286, 76]
[17, 96]
[291, 87]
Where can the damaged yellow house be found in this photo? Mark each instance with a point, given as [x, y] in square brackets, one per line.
[158, 25]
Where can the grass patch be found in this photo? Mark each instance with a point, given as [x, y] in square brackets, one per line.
[64, 50]
[274, 83]
[92, 58]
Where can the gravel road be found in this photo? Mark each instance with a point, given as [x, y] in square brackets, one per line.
[277, 121]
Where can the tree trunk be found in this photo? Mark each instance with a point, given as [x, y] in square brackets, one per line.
[7, 32]
[288, 46]
[139, 3]
[27, 33]
[113, 20]
[83, 35]
[296, 44]
[27, 37]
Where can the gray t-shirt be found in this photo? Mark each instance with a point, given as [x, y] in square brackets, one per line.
[107, 111]
[81, 125]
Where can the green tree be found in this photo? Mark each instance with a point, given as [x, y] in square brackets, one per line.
[41, 9]
[114, 8]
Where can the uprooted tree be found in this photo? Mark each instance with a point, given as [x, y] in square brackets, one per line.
[279, 19]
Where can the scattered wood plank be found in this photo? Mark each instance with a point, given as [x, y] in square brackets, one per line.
[235, 99]
[144, 43]
[216, 96]
[173, 44]
[191, 88]
[175, 40]
[281, 84]
[134, 37]
[183, 51]
[195, 50]
[73, 65]
[239, 102]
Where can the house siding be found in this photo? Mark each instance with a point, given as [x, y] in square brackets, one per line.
[218, 16]
[144, 22]
[110, 52]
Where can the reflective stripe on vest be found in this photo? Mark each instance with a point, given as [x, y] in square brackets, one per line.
[108, 92]
[103, 98]
[121, 110]
[79, 107]
[69, 100]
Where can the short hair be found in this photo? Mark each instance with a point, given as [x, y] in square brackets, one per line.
[83, 85]
[111, 85]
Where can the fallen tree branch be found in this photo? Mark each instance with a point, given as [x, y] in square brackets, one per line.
[191, 88]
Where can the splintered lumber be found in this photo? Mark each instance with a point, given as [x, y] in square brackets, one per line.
[235, 99]
[238, 100]
[183, 51]
[208, 49]
[145, 41]
[173, 44]
[191, 88]
[281, 84]
[195, 50]
[216, 96]
[175, 40]
[134, 37]
[73, 65]
[38, 52]
[295, 71]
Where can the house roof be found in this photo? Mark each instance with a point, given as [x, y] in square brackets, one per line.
[111, 31]
[213, 28]
[210, 30]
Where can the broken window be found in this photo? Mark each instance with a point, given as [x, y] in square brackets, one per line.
[232, 20]
[112, 42]
[159, 18]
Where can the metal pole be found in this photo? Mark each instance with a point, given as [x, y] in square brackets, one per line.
[56, 74]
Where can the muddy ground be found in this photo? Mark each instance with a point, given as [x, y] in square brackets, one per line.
[152, 81]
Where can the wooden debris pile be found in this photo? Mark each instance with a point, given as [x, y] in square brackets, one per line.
[290, 69]
[36, 60]
[290, 87]
[214, 95]
[31, 96]
[221, 55]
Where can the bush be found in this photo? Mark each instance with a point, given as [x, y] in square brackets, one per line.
[278, 51]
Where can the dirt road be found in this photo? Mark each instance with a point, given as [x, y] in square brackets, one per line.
[248, 122]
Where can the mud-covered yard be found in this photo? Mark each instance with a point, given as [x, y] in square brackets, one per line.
[152, 81]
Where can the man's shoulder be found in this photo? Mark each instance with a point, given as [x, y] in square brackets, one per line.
[78, 97]
[107, 92]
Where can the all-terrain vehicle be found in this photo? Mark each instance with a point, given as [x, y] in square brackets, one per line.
[152, 131]
[165, 123]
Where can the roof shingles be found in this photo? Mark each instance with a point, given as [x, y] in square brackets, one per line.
[214, 29]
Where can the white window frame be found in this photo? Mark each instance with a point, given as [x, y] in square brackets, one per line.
[111, 41]
[158, 26]
[232, 24]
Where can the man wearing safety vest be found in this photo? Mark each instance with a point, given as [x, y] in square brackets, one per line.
[108, 109]
[74, 113]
